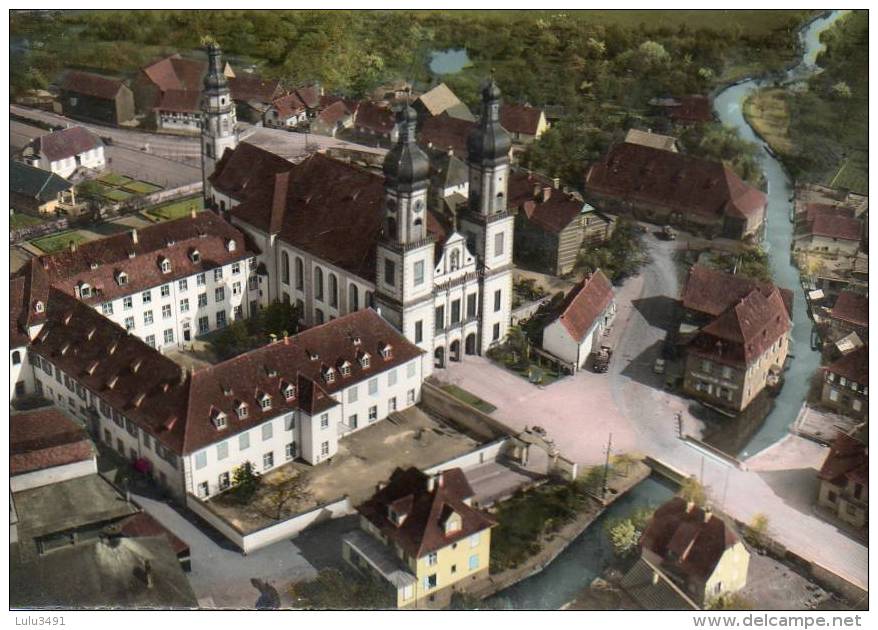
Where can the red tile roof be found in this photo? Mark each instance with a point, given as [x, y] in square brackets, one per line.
[247, 169]
[516, 118]
[848, 459]
[331, 209]
[374, 117]
[551, 214]
[288, 105]
[28, 288]
[422, 531]
[443, 132]
[143, 525]
[694, 108]
[252, 87]
[176, 73]
[852, 308]
[188, 101]
[585, 303]
[853, 366]
[98, 263]
[309, 95]
[711, 292]
[91, 84]
[690, 543]
[333, 113]
[745, 330]
[66, 143]
[833, 224]
[676, 181]
[45, 438]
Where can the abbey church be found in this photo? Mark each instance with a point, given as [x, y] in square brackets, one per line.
[335, 237]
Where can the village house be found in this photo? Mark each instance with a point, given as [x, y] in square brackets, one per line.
[374, 123]
[844, 480]
[649, 138]
[94, 97]
[65, 151]
[332, 119]
[38, 192]
[586, 313]
[441, 100]
[551, 224]
[846, 384]
[286, 112]
[697, 555]
[828, 231]
[253, 95]
[850, 314]
[524, 123]
[421, 535]
[445, 133]
[740, 340]
[666, 187]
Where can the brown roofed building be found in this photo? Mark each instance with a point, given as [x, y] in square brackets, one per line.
[692, 109]
[850, 314]
[523, 122]
[829, 231]
[444, 132]
[286, 112]
[374, 122]
[332, 119]
[587, 311]
[844, 480]
[650, 139]
[45, 447]
[696, 549]
[742, 342]
[846, 384]
[665, 187]
[242, 172]
[422, 535]
[66, 150]
[441, 100]
[91, 96]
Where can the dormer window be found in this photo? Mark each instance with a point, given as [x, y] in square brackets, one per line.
[231, 245]
[386, 351]
[39, 307]
[122, 278]
[452, 523]
[313, 355]
[346, 368]
[166, 265]
[364, 360]
[357, 341]
[84, 290]
[195, 256]
[329, 374]
[264, 401]
[395, 517]
[93, 266]
[218, 418]
[289, 391]
[242, 410]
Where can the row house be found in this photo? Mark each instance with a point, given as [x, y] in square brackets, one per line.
[844, 480]
[846, 384]
[190, 430]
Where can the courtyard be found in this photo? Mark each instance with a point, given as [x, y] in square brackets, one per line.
[365, 458]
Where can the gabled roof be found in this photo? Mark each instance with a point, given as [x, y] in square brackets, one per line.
[443, 132]
[176, 73]
[36, 183]
[288, 105]
[422, 530]
[449, 170]
[374, 117]
[693, 108]
[188, 101]
[852, 308]
[331, 209]
[45, 438]
[516, 118]
[91, 84]
[711, 291]
[680, 182]
[584, 304]
[650, 139]
[848, 459]
[834, 224]
[689, 541]
[438, 99]
[246, 169]
[252, 87]
[545, 206]
[853, 366]
[28, 288]
[66, 143]
[334, 113]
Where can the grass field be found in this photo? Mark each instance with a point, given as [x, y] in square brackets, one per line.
[141, 188]
[768, 113]
[116, 194]
[470, 399]
[57, 242]
[19, 220]
[853, 173]
[114, 179]
[176, 209]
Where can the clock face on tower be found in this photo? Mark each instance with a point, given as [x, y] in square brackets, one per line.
[419, 205]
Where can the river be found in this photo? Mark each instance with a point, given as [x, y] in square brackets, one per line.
[728, 105]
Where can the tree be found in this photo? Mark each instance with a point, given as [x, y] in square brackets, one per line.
[653, 53]
[89, 191]
[624, 537]
[278, 496]
[245, 482]
[841, 90]
[692, 490]
[757, 530]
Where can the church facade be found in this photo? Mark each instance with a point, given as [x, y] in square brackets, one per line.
[336, 238]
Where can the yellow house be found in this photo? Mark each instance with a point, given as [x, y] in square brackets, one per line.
[421, 536]
[694, 550]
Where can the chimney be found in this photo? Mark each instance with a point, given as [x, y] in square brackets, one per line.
[690, 505]
[556, 182]
[441, 478]
[134, 236]
[547, 193]
[431, 483]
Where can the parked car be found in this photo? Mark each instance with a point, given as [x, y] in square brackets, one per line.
[659, 366]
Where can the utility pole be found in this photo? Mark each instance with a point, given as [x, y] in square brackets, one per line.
[606, 467]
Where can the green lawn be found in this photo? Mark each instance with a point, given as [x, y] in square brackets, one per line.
[114, 179]
[19, 220]
[853, 173]
[176, 209]
[468, 398]
[57, 242]
[141, 188]
[116, 194]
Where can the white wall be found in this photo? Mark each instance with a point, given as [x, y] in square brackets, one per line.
[55, 474]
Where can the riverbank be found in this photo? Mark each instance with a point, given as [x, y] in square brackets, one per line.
[554, 543]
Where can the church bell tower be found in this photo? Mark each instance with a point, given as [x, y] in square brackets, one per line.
[218, 123]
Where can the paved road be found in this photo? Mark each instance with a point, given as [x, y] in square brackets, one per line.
[580, 411]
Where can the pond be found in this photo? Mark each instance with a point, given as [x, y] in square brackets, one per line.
[449, 61]
[583, 560]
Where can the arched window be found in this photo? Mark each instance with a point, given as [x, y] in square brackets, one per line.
[318, 284]
[418, 229]
[369, 299]
[300, 274]
[455, 260]
[16, 358]
[390, 227]
[333, 290]
[498, 207]
[285, 267]
[353, 298]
